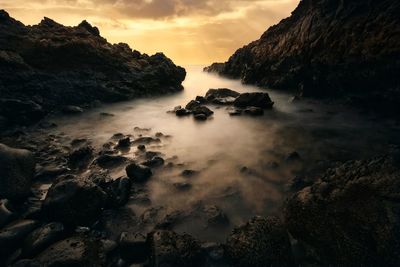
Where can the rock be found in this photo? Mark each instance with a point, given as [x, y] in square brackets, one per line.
[259, 242]
[80, 158]
[74, 202]
[110, 161]
[71, 110]
[74, 251]
[214, 253]
[50, 172]
[145, 141]
[235, 112]
[118, 192]
[202, 110]
[215, 216]
[182, 112]
[5, 214]
[124, 143]
[201, 99]
[171, 249]
[183, 186]
[200, 117]
[154, 162]
[189, 173]
[141, 147]
[105, 114]
[17, 168]
[222, 96]
[138, 173]
[258, 100]
[350, 215]
[253, 111]
[133, 247]
[20, 111]
[42, 238]
[13, 234]
[192, 105]
[292, 157]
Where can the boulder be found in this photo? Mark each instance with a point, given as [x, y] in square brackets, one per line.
[254, 111]
[81, 157]
[259, 100]
[20, 111]
[17, 168]
[200, 117]
[138, 173]
[170, 249]
[350, 216]
[202, 110]
[154, 162]
[118, 192]
[182, 112]
[110, 161]
[124, 142]
[192, 105]
[220, 93]
[41, 238]
[74, 202]
[260, 242]
[133, 247]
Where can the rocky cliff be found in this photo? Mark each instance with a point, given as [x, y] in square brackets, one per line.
[46, 66]
[327, 47]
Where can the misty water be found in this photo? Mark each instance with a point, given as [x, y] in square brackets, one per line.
[222, 146]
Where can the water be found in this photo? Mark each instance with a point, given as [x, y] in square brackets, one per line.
[220, 147]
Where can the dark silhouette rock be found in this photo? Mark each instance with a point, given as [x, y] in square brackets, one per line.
[192, 105]
[133, 247]
[200, 117]
[118, 192]
[258, 100]
[260, 242]
[254, 111]
[74, 202]
[182, 112]
[202, 110]
[328, 48]
[110, 161]
[81, 157]
[138, 173]
[154, 162]
[48, 66]
[222, 96]
[17, 168]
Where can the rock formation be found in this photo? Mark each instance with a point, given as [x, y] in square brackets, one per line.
[47, 66]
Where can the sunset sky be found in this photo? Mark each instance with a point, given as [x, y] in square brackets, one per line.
[188, 31]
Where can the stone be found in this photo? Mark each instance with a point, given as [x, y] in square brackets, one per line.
[258, 100]
[254, 111]
[81, 157]
[118, 192]
[183, 186]
[154, 162]
[110, 161]
[138, 173]
[133, 247]
[17, 169]
[22, 112]
[202, 110]
[189, 173]
[182, 112]
[71, 110]
[192, 105]
[76, 202]
[124, 143]
[259, 242]
[221, 96]
[200, 117]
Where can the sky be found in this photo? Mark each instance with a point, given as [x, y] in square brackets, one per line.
[187, 31]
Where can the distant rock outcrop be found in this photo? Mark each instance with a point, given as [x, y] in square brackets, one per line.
[46, 66]
[327, 48]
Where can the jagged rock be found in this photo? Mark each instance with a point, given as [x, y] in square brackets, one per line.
[258, 100]
[171, 249]
[154, 162]
[81, 157]
[118, 192]
[17, 168]
[74, 202]
[192, 105]
[50, 66]
[328, 48]
[350, 216]
[260, 242]
[110, 161]
[42, 238]
[138, 173]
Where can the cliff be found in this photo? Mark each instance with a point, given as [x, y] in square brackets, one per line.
[325, 48]
[46, 66]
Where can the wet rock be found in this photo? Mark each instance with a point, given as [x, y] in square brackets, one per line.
[154, 162]
[138, 173]
[74, 251]
[78, 142]
[222, 96]
[19, 111]
[13, 234]
[183, 186]
[350, 215]
[215, 216]
[171, 249]
[182, 112]
[6, 215]
[259, 100]
[201, 99]
[110, 161]
[118, 192]
[145, 141]
[117, 136]
[293, 157]
[124, 143]
[71, 110]
[42, 238]
[134, 247]
[202, 110]
[235, 112]
[189, 173]
[200, 117]
[151, 154]
[141, 147]
[17, 168]
[80, 158]
[259, 242]
[159, 135]
[74, 202]
[192, 105]
[253, 111]
[50, 172]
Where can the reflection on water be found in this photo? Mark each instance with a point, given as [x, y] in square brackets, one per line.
[220, 148]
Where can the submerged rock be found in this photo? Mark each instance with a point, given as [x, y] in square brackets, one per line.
[260, 242]
[254, 111]
[17, 168]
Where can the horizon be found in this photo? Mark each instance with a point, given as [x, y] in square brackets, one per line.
[189, 32]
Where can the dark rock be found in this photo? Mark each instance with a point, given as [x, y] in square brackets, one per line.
[145, 141]
[118, 192]
[124, 143]
[154, 162]
[71, 110]
[200, 117]
[192, 105]
[74, 202]
[215, 216]
[117, 136]
[50, 172]
[182, 112]
[201, 99]
[105, 114]
[260, 242]
[350, 215]
[202, 110]
[134, 247]
[214, 253]
[235, 112]
[183, 186]
[74, 251]
[151, 154]
[81, 157]
[17, 168]
[138, 173]
[171, 249]
[292, 157]
[13, 234]
[20, 111]
[253, 111]
[42, 238]
[110, 161]
[189, 173]
[222, 96]
[141, 147]
[259, 100]
[6, 215]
